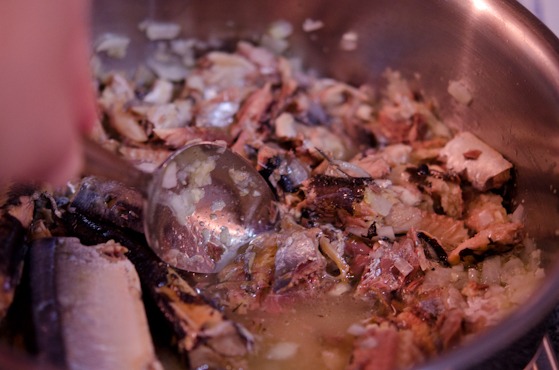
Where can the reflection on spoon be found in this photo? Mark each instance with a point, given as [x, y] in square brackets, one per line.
[202, 203]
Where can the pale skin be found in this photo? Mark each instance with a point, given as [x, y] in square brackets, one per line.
[46, 97]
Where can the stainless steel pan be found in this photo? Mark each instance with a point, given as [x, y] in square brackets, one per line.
[506, 57]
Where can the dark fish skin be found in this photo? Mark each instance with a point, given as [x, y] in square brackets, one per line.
[434, 249]
[95, 221]
[12, 253]
[328, 185]
[327, 195]
[147, 264]
[110, 201]
[9, 196]
[92, 232]
[48, 333]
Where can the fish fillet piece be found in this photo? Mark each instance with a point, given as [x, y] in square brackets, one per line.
[92, 297]
[482, 165]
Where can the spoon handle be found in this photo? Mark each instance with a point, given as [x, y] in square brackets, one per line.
[101, 162]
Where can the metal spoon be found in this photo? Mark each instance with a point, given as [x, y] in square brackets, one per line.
[202, 203]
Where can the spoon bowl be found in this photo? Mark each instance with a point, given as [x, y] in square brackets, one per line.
[204, 203]
[201, 204]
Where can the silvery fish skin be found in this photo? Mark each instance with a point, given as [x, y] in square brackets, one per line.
[87, 307]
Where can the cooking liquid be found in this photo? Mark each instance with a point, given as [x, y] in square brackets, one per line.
[310, 335]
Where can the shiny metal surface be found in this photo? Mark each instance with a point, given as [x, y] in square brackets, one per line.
[506, 57]
[545, 358]
[218, 202]
[196, 235]
[101, 162]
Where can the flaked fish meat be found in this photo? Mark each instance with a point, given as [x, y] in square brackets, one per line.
[397, 239]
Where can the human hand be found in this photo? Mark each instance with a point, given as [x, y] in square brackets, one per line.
[46, 96]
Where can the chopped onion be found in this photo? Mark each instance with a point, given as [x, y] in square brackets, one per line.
[518, 214]
[282, 351]
[460, 92]
[127, 125]
[183, 47]
[168, 116]
[218, 205]
[113, 45]
[512, 269]
[473, 274]
[369, 343]
[397, 154]
[170, 176]
[285, 126]
[160, 30]
[297, 172]
[485, 218]
[225, 236]
[275, 39]
[364, 112]
[436, 277]
[280, 29]
[356, 330]
[379, 203]
[491, 270]
[333, 359]
[310, 25]
[171, 71]
[403, 266]
[147, 167]
[402, 218]
[339, 289]
[351, 169]
[161, 92]
[383, 183]
[424, 263]
[183, 205]
[454, 298]
[275, 45]
[349, 41]
[96, 67]
[219, 115]
[386, 232]
[409, 196]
